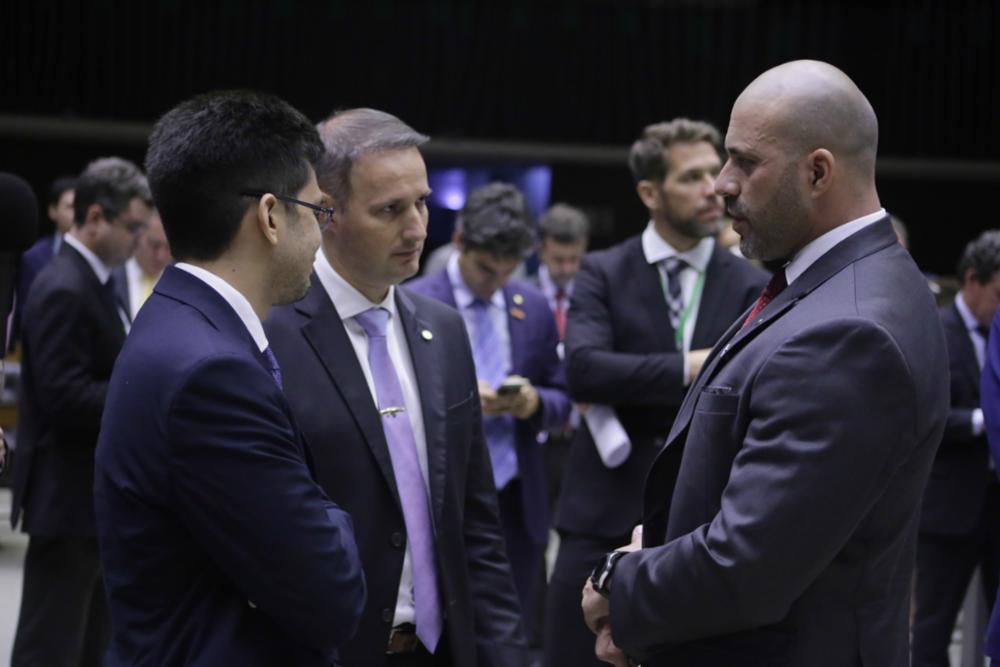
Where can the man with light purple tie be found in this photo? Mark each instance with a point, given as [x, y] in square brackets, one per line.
[521, 380]
[382, 382]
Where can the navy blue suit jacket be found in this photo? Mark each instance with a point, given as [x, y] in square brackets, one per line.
[218, 546]
[620, 351]
[533, 342]
[327, 390]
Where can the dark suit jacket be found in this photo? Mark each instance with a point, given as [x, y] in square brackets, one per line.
[781, 515]
[329, 394]
[533, 342]
[956, 491]
[218, 546]
[72, 335]
[33, 260]
[620, 351]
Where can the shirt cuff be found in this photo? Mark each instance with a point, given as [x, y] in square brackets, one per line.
[977, 421]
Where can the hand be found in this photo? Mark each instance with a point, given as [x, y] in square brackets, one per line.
[695, 360]
[525, 402]
[606, 650]
[596, 607]
[492, 403]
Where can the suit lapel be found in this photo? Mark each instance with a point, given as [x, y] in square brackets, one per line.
[517, 325]
[968, 362]
[649, 291]
[869, 240]
[427, 367]
[718, 288]
[327, 336]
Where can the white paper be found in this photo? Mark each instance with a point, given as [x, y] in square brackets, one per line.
[612, 442]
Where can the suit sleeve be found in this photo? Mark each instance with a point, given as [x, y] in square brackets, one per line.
[554, 402]
[596, 372]
[245, 492]
[500, 638]
[59, 332]
[830, 422]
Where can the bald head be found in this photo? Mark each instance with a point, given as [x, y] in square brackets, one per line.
[809, 104]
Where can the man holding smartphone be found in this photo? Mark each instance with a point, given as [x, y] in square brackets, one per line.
[521, 380]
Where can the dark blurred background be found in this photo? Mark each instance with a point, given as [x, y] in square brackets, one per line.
[546, 86]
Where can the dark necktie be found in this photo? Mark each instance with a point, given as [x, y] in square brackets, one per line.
[271, 364]
[984, 332]
[112, 297]
[409, 478]
[774, 288]
[672, 267]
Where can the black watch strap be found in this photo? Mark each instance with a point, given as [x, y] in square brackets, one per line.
[600, 578]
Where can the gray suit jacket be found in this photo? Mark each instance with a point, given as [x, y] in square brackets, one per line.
[780, 517]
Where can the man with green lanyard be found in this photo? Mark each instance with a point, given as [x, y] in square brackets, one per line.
[644, 315]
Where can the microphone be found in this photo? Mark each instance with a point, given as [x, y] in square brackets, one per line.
[18, 229]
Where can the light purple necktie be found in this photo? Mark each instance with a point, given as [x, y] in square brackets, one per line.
[272, 366]
[409, 478]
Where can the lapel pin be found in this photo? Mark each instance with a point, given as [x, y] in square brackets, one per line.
[426, 334]
[391, 411]
[518, 299]
[517, 312]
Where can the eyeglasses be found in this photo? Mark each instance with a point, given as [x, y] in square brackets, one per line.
[324, 216]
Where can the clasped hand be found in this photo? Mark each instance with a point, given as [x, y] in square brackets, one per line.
[597, 614]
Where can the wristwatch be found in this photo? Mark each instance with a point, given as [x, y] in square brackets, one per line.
[600, 578]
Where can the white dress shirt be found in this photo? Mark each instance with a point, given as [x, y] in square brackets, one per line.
[350, 302]
[821, 245]
[696, 264]
[234, 298]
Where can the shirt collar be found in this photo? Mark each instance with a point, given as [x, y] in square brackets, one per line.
[819, 246]
[656, 249]
[345, 297]
[100, 269]
[967, 317]
[234, 298]
[463, 295]
[549, 287]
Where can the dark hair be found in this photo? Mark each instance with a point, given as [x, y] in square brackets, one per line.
[495, 219]
[204, 152]
[647, 158]
[982, 255]
[564, 224]
[58, 187]
[112, 183]
[350, 134]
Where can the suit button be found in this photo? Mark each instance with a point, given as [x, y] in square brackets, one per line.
[397, 540]
[387, 616]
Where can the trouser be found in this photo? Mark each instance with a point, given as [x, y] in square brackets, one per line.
[64, 616]
[568, 640]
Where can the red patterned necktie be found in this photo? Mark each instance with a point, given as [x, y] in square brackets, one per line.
[773, 289]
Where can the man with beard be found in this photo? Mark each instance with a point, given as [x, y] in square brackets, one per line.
[644, 314]
[218, 546]
[780, 517]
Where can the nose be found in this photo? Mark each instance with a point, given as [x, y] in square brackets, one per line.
[725, 184]
[415, 227]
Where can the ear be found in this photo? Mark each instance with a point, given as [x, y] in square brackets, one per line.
[970, 277]
[647, 193]
[264, 214]
[820, 164]
[456, 240]
[94, 213]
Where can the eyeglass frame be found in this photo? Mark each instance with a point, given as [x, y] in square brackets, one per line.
[327, 212]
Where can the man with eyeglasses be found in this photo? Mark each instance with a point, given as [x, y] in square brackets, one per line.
[73, 329]
[218, 545]
[382, 382]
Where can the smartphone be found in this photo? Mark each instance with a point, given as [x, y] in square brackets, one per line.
[511, 386]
